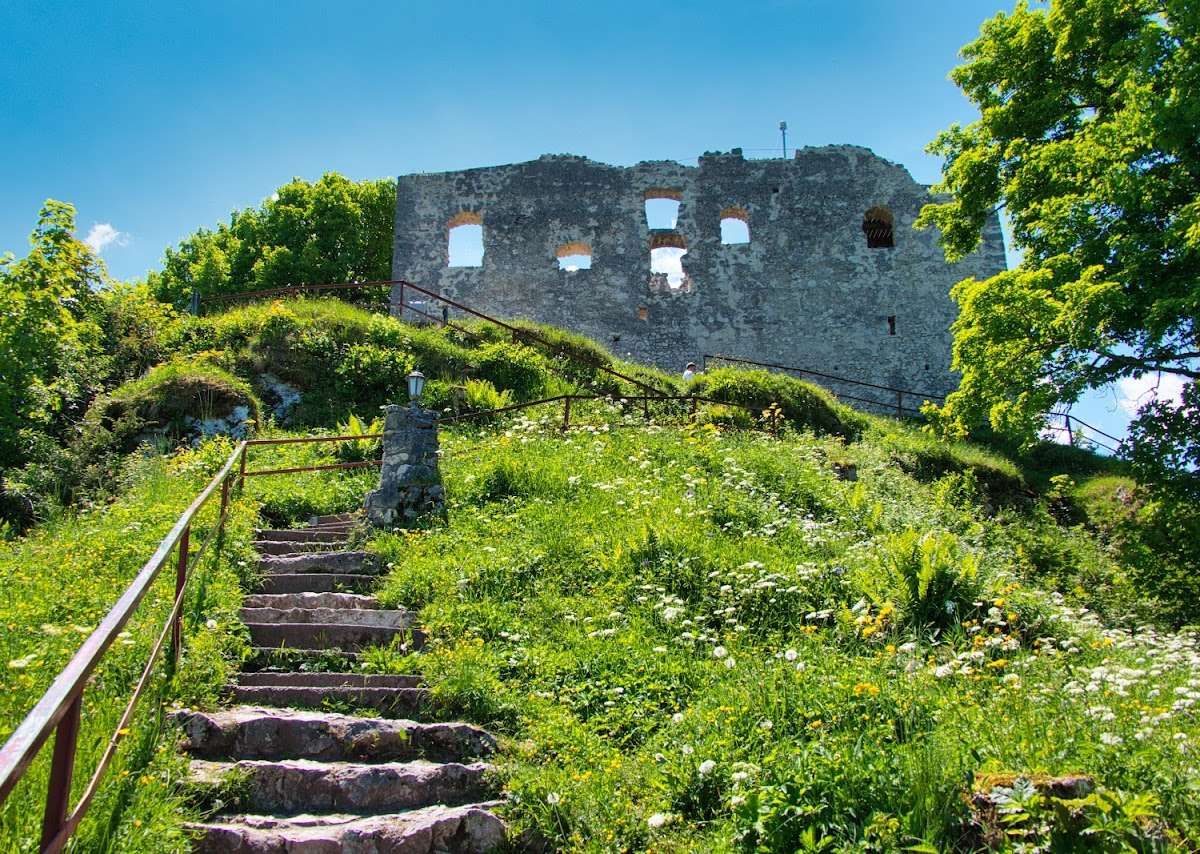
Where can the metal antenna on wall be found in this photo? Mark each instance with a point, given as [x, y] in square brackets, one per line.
[783, 131]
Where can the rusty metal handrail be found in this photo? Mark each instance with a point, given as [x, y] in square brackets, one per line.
[300, 440]
[270, 292]
[516, 331]
[821, 374]
[899, 392]
[60, 707]
[566, 399]
[521, 333]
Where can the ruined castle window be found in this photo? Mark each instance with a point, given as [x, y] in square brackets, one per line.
[891, 324]
[574, 256]
[662, 207]
[464, 242]
[877, 226]
[735, 225]
[666, 260]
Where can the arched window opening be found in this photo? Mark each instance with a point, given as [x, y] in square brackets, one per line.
[662, 207]
[735, 225]
[666, 262]
[877, 226]
[574, 256]
[464, 240]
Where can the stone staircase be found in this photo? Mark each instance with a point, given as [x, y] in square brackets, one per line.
[296, 777]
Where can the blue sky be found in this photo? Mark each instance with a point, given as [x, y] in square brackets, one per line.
[155, 118]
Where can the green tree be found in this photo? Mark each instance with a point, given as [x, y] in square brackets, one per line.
[47, 339]
[334, 230]
[1089, 141]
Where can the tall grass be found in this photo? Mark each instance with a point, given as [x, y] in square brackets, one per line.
[55, 585]
[699, 639]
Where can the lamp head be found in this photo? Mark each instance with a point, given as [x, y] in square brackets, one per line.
[416, 385]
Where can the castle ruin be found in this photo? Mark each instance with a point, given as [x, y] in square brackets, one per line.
[810, 261]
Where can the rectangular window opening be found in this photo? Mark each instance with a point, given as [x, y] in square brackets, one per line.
[465, 245]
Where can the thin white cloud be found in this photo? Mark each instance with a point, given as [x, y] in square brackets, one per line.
[1134, 393]
[102, 234]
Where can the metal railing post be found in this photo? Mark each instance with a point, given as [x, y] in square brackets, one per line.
[899, 404]
[242, 469]
[180, 581]
[566, 413]
[401, 318]
[224, 502]
[1070, 434]
[62, 767]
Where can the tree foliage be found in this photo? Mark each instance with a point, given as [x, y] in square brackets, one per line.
[1089, 140]
[334, 230]
[46, 336]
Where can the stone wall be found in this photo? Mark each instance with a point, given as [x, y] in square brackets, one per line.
[807, 290]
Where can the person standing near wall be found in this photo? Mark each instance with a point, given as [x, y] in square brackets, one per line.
[689, 372]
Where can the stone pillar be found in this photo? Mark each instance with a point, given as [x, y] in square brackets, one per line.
[410, 483]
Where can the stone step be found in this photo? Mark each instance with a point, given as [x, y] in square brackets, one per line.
[309, 600]
[266, 659]
[393, 702]
[349, 562]
[466, 829]
[295, 786]
[324, 636]
[335, 518]
[292, 547]
[378, 617]
[249, 732]
[307, 679]
[300, 535]
[315, 582]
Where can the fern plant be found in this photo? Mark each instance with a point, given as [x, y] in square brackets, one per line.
[932, 576]
[482, 396]
[360, 449]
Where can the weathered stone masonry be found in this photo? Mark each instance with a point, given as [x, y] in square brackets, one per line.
[807, 290]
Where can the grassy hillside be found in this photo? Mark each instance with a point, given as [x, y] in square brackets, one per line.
[706, 640]
[56, 584]
[811, 630]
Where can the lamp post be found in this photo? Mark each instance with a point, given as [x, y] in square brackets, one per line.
[416, 385]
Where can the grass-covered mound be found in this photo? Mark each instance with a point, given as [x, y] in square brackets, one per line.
[707, 640]
[183, 397]
[802, 404]
[345, 360]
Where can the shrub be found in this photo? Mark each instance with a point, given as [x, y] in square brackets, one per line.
[513, 367]
[137, 329]
[927, 459]
[373, 376]
[803, 405]
[481, 396]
